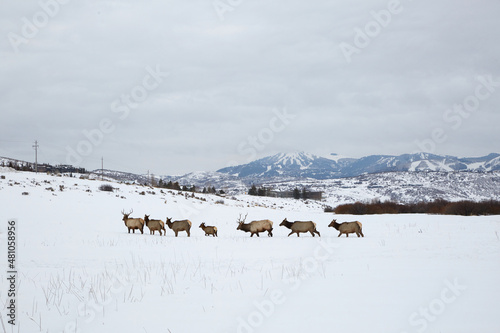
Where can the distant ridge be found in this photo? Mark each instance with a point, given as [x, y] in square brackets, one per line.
[304, 165]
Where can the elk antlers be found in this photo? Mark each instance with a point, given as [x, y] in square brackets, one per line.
[131, 211]
[240, 220]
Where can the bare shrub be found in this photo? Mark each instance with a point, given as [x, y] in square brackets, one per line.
[328, 209]
[106, 188]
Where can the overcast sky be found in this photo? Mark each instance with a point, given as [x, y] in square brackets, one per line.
[175, 86]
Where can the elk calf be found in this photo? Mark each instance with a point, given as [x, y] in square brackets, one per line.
[348, 227]
[300, 226]
[209, 230]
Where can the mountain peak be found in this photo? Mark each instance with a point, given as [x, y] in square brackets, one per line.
[298, 158]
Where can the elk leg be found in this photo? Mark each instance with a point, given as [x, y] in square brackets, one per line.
[316, 231]
[312, 233]
[290, 234]
[339, 235]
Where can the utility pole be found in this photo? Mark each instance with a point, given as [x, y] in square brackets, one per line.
[36, 155]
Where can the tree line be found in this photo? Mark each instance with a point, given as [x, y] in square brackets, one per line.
[266, 192]
[191, 188]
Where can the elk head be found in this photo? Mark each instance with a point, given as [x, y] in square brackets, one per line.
[126, 215]
[284, 222]
[241, 221]
[146, 218]
[333, 224]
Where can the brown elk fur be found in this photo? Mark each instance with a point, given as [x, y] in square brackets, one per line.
[348, 228]
[255, 227]
[300, 226]
[155, 225]
[133, 223]
[209, 230]
[182, 225]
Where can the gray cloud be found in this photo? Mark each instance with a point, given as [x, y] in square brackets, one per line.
[227, 76]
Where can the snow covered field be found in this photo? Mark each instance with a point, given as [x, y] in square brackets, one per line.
[80, 271]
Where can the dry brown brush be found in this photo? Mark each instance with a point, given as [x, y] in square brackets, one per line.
[464, 207]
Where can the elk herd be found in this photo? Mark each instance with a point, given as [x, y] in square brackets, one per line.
[254, 227]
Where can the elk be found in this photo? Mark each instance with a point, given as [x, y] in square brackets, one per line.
[182, 225]
[209, 230]
[300, 226]
[133, 223]
[348, 227]
[255, 227]
[154, 225]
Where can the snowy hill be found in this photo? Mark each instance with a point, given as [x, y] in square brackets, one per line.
[406, 178]
[304, 165]
[78, 270]
[207, 179]
[402, 187]
[127, 177]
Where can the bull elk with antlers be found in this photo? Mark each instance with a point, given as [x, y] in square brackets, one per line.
[255, 227]
[133, 223]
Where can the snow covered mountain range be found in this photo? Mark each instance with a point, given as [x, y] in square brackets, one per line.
[303, 165]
